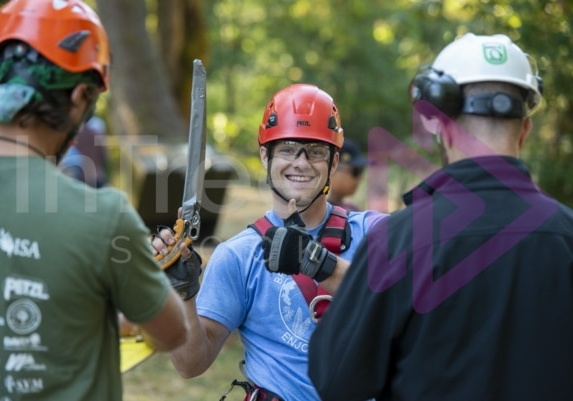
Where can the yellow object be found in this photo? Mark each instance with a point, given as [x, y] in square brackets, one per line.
[133, 351]
[173, 252]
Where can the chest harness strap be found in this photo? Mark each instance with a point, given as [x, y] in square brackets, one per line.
[334, 236]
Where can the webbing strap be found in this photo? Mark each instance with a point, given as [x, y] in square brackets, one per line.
[335, 235]
[308, 287]
[311, 290]
[261, 225]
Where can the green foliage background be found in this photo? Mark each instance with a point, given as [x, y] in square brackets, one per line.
[365, 52]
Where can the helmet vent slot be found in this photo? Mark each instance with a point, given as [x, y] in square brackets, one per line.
[73, 41]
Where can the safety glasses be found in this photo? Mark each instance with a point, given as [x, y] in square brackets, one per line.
[290, 150]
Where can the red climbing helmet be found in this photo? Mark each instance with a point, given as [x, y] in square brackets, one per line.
[301, 112]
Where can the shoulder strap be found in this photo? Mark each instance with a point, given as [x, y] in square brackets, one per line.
[261, 225]
[335, 235]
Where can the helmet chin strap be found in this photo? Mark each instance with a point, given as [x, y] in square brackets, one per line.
[323, 191]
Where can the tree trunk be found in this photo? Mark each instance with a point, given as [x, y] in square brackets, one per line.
[182, 38]
[141, 102]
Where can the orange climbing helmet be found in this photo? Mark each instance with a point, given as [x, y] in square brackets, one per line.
[66, 32]
[301, 112]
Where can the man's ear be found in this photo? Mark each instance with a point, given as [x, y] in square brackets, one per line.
[264, 153]
[446, 132]
[81, 94]
[81, 98]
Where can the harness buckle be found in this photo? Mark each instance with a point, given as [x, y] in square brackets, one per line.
[312, 306]
[254, 395]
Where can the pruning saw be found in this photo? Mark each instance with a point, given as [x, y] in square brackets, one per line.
[187, 228]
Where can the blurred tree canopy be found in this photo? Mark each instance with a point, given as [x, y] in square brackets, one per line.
[363, 52]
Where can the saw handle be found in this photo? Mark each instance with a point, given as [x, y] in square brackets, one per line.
[173, 252]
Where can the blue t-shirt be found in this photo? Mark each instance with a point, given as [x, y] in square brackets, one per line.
[268, 309]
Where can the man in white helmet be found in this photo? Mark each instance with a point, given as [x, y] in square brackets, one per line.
[467, 293]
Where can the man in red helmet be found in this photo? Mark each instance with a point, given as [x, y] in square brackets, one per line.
[71, 256]
[252, 282]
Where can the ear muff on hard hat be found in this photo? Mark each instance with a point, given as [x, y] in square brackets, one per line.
[439, 89]
[301, 112]
[66, 32]
[474, 59]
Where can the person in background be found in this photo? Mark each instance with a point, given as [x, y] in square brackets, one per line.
[467, 293]
[86, 159]
[348, 175]
[71, 256]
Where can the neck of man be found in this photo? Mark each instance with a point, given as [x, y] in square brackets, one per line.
[471, 141]
[485, 148]
[34, 139]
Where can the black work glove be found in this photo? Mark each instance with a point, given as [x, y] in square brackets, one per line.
[184, 275]
[291, 250]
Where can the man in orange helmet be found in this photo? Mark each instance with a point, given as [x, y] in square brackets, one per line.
[252, 282]
[71, 256]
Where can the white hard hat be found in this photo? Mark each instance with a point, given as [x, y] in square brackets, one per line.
[476, 58]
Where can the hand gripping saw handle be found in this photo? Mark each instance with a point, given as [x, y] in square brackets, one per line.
[186, 228]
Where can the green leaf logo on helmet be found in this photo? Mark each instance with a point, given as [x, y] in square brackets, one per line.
[494, 53]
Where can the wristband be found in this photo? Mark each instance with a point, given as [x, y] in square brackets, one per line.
[317, 262]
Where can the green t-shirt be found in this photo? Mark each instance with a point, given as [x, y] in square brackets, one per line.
[71, 257]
